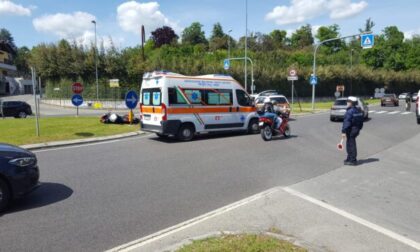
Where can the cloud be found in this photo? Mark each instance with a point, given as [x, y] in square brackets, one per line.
[411, 33]
[63, 25]
[10, 8]
[300, 11]
[132, 15]
[75, 26]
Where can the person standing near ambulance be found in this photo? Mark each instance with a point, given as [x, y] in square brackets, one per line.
[352, 124]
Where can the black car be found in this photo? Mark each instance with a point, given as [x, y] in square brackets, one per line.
[19, 173]
[17, 109]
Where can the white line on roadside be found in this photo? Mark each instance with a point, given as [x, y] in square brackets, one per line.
[355, 218]
[394, 112]
[406, 113]
[87, 145]
[381, 112]
[186, 224]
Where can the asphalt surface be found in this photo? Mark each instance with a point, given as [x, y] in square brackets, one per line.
[96, 197]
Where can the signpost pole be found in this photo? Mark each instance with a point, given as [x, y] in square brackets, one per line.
[36, 103]
[293, 88]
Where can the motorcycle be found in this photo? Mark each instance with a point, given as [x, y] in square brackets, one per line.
[267, 122]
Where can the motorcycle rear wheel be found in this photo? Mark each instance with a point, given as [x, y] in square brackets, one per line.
[287, 132]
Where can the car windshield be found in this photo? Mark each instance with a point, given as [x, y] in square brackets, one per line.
[278, 99]
[340, 102]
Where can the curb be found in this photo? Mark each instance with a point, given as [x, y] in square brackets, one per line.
[56, 144]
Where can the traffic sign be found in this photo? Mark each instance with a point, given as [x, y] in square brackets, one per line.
[77, 88]
[131, 99]
[367, 40]
[114, 83]
[77, 100]
[292, 72]
[337, 94]
[340, 88]
[226, 64]
[313, 80]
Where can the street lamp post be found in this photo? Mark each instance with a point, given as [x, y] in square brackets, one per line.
[229, 43]
[351, 71]
[246, 45]
[314, 64]
[252, 70]
[96, 63]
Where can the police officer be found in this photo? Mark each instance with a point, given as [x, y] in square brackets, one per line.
[353, 123]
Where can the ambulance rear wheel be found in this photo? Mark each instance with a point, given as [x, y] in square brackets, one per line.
[253, 127]
[186, 132]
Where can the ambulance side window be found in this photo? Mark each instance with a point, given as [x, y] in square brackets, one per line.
[175, 97]
[194, 96]
[243, 98]
[219, 97]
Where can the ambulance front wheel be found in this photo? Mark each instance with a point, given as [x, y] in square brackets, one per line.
[186, 132]
[253, 127]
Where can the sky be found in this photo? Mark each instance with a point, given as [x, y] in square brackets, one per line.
[36, 21]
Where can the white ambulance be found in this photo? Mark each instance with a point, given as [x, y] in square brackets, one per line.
[176, 105]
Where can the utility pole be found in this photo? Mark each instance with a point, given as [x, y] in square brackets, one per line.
[246, 45]
[229, 43]
[96, 63]
[351, 71]
[314, 63]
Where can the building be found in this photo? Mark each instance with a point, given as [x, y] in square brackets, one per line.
[7, 69]
[9, 83]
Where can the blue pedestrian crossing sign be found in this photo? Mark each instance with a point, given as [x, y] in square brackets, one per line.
[131, 99]
[226, 64]
[77, 100]
[367, 40]
[313, 80]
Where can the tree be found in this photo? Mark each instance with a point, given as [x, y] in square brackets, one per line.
[217, 31]
[278, 38]
[302, 37]
[22, 61]
[7, 36]
[218, 39]
[369, 24]
[193, 34]
[164, 36]
[329, 32]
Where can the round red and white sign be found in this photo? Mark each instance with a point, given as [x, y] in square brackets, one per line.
[292, 72]
[77, 88]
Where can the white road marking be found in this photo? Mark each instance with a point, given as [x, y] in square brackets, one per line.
[355, 218]
[186, 224]
[91, 144]
[381, 112]
[406, 113]
[372, 111]
[394, 112]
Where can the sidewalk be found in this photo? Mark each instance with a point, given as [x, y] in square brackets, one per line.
[371, 207]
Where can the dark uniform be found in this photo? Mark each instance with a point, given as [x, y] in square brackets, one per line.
[353, 123]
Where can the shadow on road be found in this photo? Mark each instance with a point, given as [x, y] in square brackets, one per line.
[368, 160]
[201, 137]
[46, 194]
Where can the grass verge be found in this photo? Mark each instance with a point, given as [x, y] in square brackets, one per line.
[320, 106]
[241, 242]
[22, 131]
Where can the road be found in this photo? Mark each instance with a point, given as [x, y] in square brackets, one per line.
[96, 197]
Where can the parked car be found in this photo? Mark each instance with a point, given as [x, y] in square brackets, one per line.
[390, 99]
[264, 94]
[278, 100]
[418, 107]
[403, 96]
[414, 97]
[339, 108]
[17, 109]
[19, 173]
